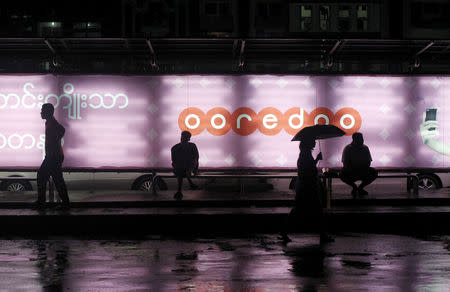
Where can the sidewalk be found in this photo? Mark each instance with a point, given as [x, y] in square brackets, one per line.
[378, 196]
[134, 212]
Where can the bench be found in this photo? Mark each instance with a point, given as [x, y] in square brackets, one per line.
[157, 176]
[412, 185]
[412, 181]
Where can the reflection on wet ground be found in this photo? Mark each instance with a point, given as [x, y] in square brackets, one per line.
[354, 262]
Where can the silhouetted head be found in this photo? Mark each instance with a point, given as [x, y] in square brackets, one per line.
[358, 139]
[308, 144]
[47, 111]
[185, 136]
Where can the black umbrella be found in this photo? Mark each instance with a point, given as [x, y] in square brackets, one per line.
[318, 132]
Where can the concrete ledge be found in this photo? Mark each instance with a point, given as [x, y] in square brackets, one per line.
[120, 221]
[233, 203]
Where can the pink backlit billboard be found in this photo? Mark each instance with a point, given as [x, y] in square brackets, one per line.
[237, 121]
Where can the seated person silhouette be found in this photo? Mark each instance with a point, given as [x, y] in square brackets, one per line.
[185, 162]
[356, 159]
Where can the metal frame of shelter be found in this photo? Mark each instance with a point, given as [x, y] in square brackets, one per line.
[228, 56]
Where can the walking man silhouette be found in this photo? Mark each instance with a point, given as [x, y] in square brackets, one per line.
[184, 161]
[54, 157]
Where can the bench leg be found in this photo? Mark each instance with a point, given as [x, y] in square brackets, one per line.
[409, 185]
[153, 187]
[412, 185]
[416, 186]
[329, 192]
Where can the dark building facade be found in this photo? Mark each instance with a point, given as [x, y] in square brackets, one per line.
[225, 36]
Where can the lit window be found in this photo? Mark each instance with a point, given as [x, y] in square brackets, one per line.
[51, 25]
[306, 17]
[344, 18]
[362, 18]
[324, 17]
[51, 28]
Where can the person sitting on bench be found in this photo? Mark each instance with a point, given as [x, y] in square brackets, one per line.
[185, 162]
[356, 159]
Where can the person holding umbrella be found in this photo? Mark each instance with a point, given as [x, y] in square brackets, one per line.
[309, 190]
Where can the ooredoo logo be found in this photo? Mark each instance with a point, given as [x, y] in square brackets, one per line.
[269, 121]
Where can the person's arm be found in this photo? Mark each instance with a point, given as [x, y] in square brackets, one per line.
[196, 157]
[438, 146]
[172, 156]
[429, 132]
[345, 157]
[369, 157]
[59, 131]
[318, 157]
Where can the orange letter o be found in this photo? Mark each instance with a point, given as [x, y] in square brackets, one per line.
[348, 120]
[192, 119]
[321, 116]
[218, 121]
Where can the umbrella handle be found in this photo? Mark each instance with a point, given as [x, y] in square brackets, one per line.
[320, 151]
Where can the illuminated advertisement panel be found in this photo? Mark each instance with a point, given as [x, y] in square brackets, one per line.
[237, 121]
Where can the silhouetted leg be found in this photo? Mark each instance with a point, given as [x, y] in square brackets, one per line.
[60, 184]
[43, 175]
[180, 182]
[291, 218]
[179, 173]
[314, 212]
[179, 195]
[285, 227]
[371, 175]
[324, 236]
[321, 215]
[188, 176]
[349, 179]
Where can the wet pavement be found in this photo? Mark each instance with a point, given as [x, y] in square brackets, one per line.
[387, 209]
[258, 262]
[216, 240]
